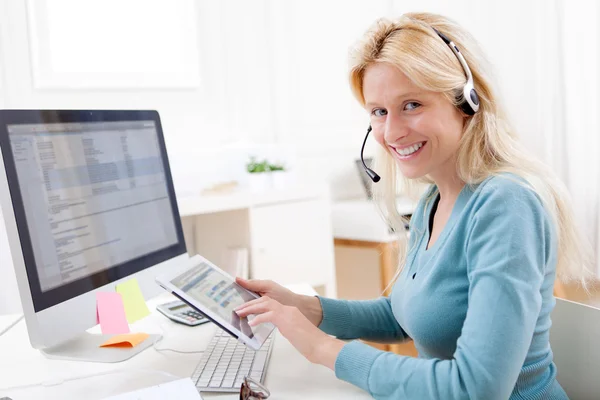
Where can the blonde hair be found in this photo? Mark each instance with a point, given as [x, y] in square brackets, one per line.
[489, 145]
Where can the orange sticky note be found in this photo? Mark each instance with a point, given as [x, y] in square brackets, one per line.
[133, 300]
[128, 340]
[111, 313]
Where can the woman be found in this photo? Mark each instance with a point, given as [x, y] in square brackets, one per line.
[487, 239]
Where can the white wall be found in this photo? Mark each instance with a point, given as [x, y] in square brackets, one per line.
[9, 295]
[272, 72]
[268, 72]
[262, 73]
[245, 94]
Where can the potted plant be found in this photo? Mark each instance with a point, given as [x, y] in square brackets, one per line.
[259, 179]
[279, 175]
[262, 175]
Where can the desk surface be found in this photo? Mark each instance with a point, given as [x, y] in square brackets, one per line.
[8, 320]
[289, 375]
[244, 198]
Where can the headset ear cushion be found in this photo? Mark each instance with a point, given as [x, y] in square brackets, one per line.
[466, 108]
[463, 101]
[474, 97]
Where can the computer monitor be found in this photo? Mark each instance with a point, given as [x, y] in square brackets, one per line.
[88, 202]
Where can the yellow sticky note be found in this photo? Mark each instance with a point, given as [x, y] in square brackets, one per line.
[127, 340]
[135, 305]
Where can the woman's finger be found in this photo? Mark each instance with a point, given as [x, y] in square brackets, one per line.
[251, 302]
[254, 285]
[258, 308]
[262, 318]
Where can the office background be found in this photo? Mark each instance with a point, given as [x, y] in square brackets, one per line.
[233, 78]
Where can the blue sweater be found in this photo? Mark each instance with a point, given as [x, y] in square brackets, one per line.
[477, 304]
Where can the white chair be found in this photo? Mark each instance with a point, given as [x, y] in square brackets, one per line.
[574, 337]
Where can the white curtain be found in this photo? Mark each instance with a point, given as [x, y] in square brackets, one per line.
[546, 56]
[581, 61]
[568, 55]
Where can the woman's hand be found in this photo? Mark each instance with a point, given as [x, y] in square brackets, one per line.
[309, 340]
[310, 306]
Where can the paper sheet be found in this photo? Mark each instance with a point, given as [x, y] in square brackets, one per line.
[181, 389]
[111, 313]
[128, 340]
[133, 300]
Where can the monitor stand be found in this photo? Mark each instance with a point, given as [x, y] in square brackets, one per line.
[86, 347]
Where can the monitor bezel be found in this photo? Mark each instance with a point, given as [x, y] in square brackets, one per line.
[43, 300]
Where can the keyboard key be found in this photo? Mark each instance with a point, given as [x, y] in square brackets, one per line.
[256, 375]
[260, 358]
[227, 383]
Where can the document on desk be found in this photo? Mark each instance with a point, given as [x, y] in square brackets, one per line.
[181, 389]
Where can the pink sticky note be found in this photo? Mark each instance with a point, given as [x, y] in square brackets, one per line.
[111, 313]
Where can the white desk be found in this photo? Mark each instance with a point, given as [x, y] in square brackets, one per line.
[244, 198]
[359, 219]
[6, 321]
[289, 375]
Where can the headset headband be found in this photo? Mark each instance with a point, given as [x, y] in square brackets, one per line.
[468, 100]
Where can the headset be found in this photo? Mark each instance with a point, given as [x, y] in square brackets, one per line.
[468, 100]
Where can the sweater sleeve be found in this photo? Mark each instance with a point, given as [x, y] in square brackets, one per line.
[365, 319]
[506, 246]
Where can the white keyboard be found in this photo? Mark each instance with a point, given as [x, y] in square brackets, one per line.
[226, 362]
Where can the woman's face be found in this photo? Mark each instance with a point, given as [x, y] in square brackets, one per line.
[420, 129]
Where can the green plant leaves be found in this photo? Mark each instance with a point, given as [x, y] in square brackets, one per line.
[254, 166]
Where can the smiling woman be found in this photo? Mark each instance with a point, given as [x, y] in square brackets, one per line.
[420, 128]
[474, 289]
[412, 86]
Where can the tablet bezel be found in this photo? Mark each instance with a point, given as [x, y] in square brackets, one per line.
[261, 332]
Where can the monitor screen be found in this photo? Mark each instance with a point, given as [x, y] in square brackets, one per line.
[97, 201]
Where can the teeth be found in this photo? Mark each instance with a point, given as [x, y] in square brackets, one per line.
[409, 150]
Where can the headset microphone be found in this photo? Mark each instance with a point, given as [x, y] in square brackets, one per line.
[374, 177]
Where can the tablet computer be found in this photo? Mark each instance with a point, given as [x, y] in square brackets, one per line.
[214, 293]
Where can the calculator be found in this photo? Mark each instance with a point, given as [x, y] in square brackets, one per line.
[181, 312]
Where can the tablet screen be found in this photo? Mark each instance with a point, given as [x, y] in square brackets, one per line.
[217, 292]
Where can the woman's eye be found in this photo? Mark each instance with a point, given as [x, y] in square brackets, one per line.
[411, 106]
[379, 112]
